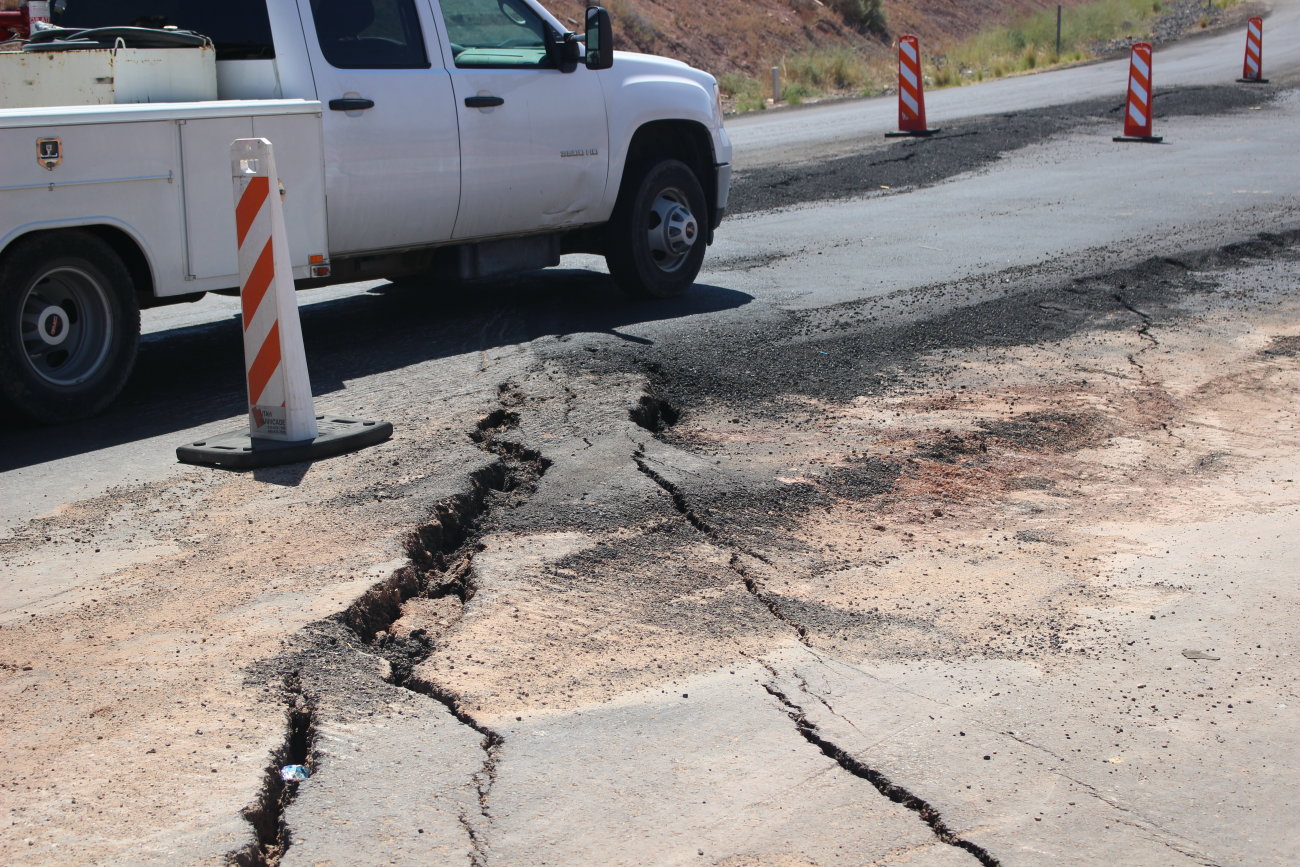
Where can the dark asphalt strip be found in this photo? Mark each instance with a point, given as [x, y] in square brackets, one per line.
[963, 146]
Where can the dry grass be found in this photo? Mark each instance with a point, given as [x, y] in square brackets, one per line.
[1026, 44]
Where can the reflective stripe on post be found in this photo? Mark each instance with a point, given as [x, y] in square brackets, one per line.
[275, 362]
[911, 88]
[282, 425]
[1137, 113]
[1253, 68]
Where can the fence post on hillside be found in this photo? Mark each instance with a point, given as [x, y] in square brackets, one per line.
[1058, 32]
[776, 85]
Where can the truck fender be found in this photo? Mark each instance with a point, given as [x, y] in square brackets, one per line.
[125, 241]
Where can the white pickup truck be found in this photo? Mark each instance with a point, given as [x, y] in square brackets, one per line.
[461, 139]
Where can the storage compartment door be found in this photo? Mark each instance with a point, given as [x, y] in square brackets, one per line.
[211, 249]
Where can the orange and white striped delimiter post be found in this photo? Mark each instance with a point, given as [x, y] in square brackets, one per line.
[1137, 114]
[275, 362]
[1252, 71]
[911, 89]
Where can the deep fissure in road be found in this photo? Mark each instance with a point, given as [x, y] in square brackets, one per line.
[266, 815]
[891, 790]
[442, 566]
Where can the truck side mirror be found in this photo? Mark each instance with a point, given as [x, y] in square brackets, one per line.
[600, 39]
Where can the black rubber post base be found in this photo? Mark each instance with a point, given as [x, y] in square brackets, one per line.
[1252, 81]
[912, 133]
[240, 451]
[1149, 139]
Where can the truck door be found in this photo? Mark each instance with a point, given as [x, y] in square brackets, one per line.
[392, 154]
[534, 140]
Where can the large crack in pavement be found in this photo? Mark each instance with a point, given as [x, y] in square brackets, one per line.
[738, 554]
[440, 575]
[1027, 455]
[624, 568]
[443, 557]
[266, 815]
[894, 792]
[653, 418]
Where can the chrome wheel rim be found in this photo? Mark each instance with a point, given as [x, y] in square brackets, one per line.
[672, 229]
[66, 326]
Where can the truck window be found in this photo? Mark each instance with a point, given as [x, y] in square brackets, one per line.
[239, 29]
[495, 33]
[369, 34]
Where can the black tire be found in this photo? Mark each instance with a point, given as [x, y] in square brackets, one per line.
[69, 326]
[656, 237]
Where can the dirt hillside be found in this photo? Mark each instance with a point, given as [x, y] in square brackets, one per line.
[749, 36]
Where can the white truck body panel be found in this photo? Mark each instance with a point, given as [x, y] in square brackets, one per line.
[541, 160]
[513, 178]
[391, 171]
[680, 93]
[161, 174]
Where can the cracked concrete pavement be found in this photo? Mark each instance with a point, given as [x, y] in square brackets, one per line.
[746, 638]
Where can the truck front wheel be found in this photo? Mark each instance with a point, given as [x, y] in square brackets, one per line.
[656, 242]
[69, 326]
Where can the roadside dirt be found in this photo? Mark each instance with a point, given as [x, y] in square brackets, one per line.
[835, 471]
[940, 513]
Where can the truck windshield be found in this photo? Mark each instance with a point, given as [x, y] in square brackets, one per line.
[239, 29]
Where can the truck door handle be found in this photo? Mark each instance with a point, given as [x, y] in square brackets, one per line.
[351, 103]
[483, 101]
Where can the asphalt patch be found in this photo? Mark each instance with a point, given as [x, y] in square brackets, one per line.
[962, 146]
[853, 350]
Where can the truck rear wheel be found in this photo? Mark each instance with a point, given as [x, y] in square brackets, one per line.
[656, 243]
[69, 326]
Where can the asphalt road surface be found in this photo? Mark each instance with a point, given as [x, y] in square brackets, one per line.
[949, 519]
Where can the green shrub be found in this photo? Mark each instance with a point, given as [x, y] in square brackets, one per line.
[831, 69]
[867, 16]
[745, 93]
[795, 94]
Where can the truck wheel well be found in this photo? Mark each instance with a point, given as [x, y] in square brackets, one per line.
[133, 258]
[123, 245]
[679, 140]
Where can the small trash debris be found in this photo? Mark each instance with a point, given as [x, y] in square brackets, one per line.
[1198, 654]
[294, 773]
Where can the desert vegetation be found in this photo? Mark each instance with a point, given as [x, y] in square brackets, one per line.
[1020, 43]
